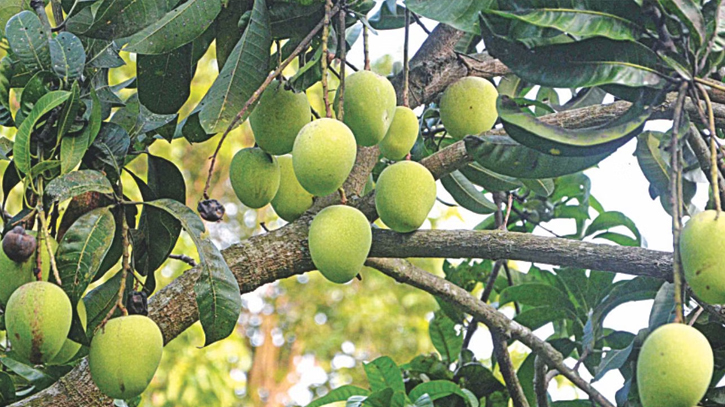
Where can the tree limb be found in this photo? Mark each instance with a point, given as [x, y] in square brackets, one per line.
[508, 371]
[405, 272]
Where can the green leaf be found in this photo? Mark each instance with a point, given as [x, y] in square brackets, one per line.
[228, 33]
[613, 359]
[425, 401]
[556, 140]
[37, 86]
[535, 318]
[384, 19]
[109, 149]
[243, 73]
[436, 389]
[586, 63]
[383, 373]
[7, 389]
[74, 146]
[70, 111]
[101, 299]
[380, 398]
[505, 156]
[136, 119]
[67, 56]
[82, 249]
[21, 150]
[36, 377]
[489, 180]
[102, 54]
[459, 14]
[536, 295]
[75, 183]
[636, 289]
[445, 338]
[159, 229]
[164, 81]
[479, 379]
[466, 194]
[582, 23]
[178, 27]
[608, 220]
[542, 187]
[663, 309]
[688, 11]
[28, 41]
[9, 8]
[341, 393]
[114, 19]
[217, 291]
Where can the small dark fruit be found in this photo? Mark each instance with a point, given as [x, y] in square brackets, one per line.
[18, 245]
[210, 210]
[137, 303]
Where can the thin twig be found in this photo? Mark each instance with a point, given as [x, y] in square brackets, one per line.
[182, 257]
[46, 239]
[508, 371]
[676, 199]
[326, 59]
[57, 13]
[39, 8]
[540, 382]
[406, 63]
[713, 151]
[366, 46]
[300, 47]
[420, 23]
[342, 47]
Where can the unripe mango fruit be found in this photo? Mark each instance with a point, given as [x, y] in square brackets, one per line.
[254, 175]
[368, 106]
[291, 200]
[674, 367]
[38, 318]
[124, 356]
[278, 117]
[469, 107]
[70, 348]
[401, 135]
[404, 195]
[340, 240]
[13, 275]
[323, 156]
[702, 249]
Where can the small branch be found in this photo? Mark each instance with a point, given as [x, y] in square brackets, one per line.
[508, 371]
[57, 13]
[420, 23]
[702, 152]
[540, 382]
[676, 198]
[182, 257]
[255, 96]
[46, 239]
[713, 151]
[366, 46]
[485, 295]
[39, 8]
[342, 46]
[405, 272]
[406, 62]
[326, 58]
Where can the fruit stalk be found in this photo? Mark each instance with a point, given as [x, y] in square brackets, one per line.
[255, 96]
[46, 239]
[342, 46]
[326, 59]
[406, 63]
[676, 199]
[713, 150]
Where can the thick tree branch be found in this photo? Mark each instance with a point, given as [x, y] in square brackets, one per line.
[405, 272]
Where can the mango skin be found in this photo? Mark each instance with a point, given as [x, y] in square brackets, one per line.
[401, 135]
[291, 200]
[368, 106]
[674, 367]
[404, 195]
[70, 348]
[254, 175]
[278, 117]
[468, 106]
[13, 275]
[702, 248]
[323, 156]
[124, 356]
[340, 240]
[38, 318]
